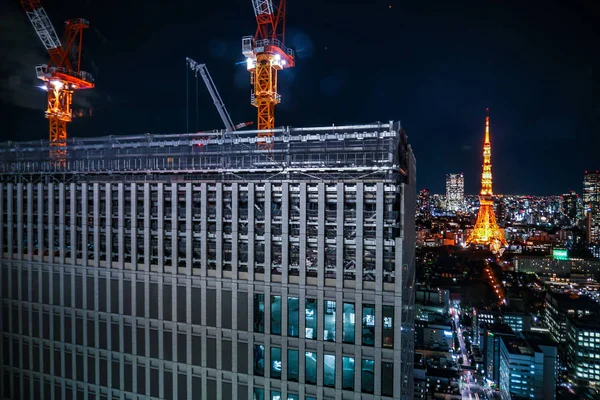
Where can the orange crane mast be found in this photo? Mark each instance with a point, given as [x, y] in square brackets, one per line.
[62, 75]
[266, 54]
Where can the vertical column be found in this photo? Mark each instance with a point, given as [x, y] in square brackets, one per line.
[121, 224]
[147, 210]
[203, 231]
[174, 234]
[219, 239]
[96, 230]
[268, 257]
[2, 206]
[10, 218]
[188, 229]
[30, 244]
[234, 232]
[285, 234]
[108, 225]
[84, 226]
[360, 192]
[61, 223]
[73, 212]
[378, 329]
[251, 223]
[134, 229]
[321, 237]
[51, 238]
[302, 243]
[40, 221]
[380, 193]
[339, 243]
[19, 220]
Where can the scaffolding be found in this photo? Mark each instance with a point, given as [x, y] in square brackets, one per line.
[323, 153]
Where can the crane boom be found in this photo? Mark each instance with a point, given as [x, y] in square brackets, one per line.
[262, 7]
[42, 24]
[214, 92]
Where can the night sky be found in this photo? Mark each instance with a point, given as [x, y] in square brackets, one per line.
[433, 65]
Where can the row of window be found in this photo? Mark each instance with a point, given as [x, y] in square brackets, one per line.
[329, 315]
[367, 370]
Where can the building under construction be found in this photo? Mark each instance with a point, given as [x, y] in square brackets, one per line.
[197, 266]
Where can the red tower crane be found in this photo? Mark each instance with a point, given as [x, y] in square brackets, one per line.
[62, 75]
[266, 54]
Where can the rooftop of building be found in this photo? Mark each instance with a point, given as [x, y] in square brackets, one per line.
[590, 323]
[536, 339]
[517, 346]
[372, 151]
[572, 302]
[499, 329]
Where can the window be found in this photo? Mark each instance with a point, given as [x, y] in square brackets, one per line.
[329, 321]
[275, 395]
[368, 325]
[348, 323]
[276, 362]
[367, 376]
[276, 315]
[311, 318]
[293, 321]
[259, 394]
[292, 396]
[388, 327]
[348, 373]
[259, 360]
[329, 370]
[387, 378]
[293, 365]
[259, 313]
[311, 367]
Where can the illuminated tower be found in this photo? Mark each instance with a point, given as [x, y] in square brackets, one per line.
[486, 231]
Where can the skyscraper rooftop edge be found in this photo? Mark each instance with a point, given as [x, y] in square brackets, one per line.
[380, 148]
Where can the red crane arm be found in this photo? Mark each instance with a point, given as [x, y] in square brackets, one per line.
[270, 20]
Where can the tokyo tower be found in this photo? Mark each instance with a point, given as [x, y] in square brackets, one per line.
[486, 231]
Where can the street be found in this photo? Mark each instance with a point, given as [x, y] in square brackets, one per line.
[469, 388]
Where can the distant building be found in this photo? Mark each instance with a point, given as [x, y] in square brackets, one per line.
[554, 266]
[583, 356]
[528, 367]
[591, 204]
[424, 204]
[570, 207]
[455, 192]
[489, 344]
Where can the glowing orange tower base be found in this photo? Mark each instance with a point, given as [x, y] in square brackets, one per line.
[486, 231]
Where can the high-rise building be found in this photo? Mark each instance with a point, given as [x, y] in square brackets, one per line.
[455, 192]
[570, 207]
[591, 204]
[424, 204]
[194, 266]
[583, 356]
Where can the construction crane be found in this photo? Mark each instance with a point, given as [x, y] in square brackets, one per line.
[62, 75]
[214, 94]
[266, 54]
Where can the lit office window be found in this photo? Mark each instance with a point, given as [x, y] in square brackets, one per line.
[388, 327]
[387, 379]
[311, 318]
[329, 321]
[275, 395]
[276, 362]
[348, 323]
[293, 363]
[276, 315]
[259, 313]
[293, 321]
[368, 376]
[292, 396]
[329, 370]
[259, 359]
[368, 325]
[310, 360]
[348, 373]
[259, 394]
